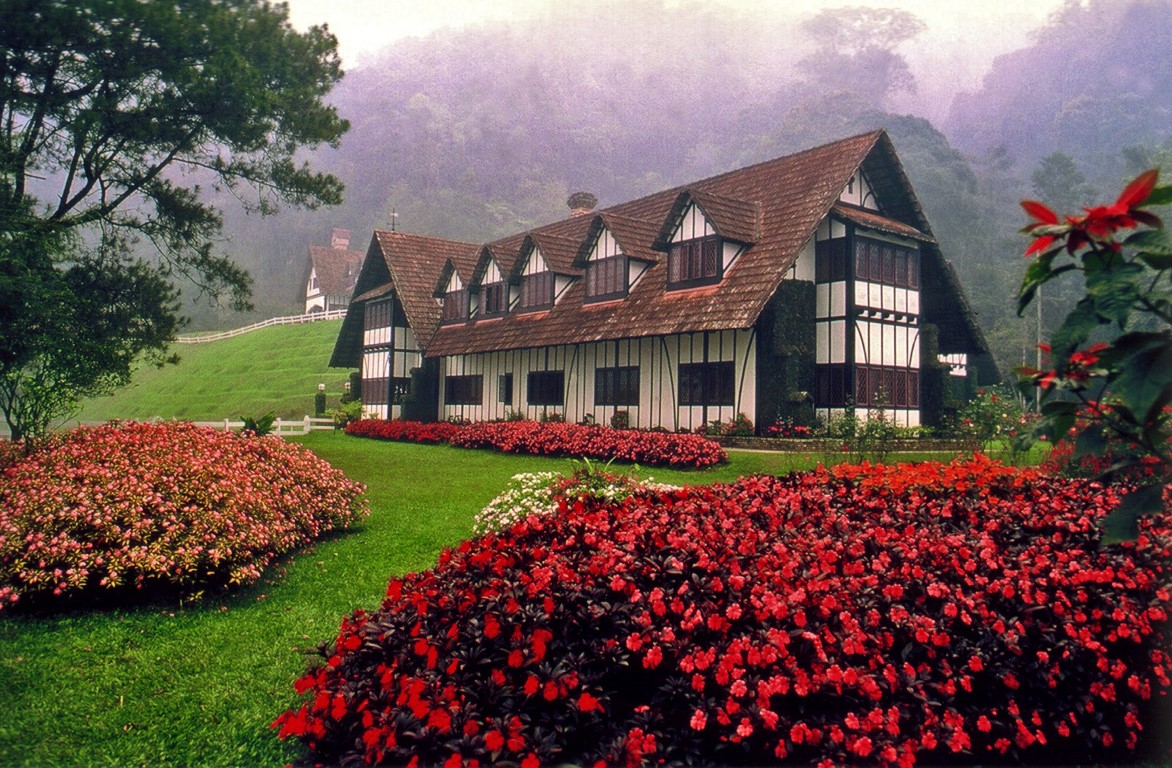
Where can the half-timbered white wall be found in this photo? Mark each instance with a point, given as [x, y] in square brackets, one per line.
[830, 307]
[314, 298]
[658, 360]
[858, 192]
[390, 351]
[605, 246]
[803, 267]
[861, 323]
[492, 274]
[693, 224]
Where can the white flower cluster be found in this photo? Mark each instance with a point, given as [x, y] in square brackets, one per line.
[528, 493]
[533, 493]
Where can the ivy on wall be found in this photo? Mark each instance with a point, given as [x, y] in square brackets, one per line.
[785, 356]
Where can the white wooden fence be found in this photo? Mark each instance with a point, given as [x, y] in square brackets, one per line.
[313, 317]
[280, 426]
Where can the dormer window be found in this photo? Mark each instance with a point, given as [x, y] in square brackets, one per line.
[455, 306]
[494, 300]
[536, 291]
[606, 278]
[694, 262]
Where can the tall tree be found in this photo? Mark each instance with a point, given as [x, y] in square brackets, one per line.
[1058, 180]
[856, 51]
[113, 113]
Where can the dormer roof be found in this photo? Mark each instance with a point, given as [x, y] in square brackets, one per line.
[633, 235]
[732, 218]
[559, 254]
[503, 253]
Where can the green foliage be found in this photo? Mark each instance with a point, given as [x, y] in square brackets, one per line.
[1112, 355]
[346, 413]
[101, 103]
[739, 426]
[259, 426]
[74, 330]
[868, 436]
[995, 414]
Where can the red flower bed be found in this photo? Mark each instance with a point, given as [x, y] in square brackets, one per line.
[403, 431]
[166, 506]
[870, 615]
[660, 449]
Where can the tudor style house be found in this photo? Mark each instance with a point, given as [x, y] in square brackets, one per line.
[331, 274]
[807, 284]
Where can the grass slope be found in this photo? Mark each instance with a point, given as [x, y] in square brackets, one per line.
[198, 684]
[272, 369]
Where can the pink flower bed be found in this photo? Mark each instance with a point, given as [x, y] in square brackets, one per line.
[661, 449]
[166, 506]
[869, 615]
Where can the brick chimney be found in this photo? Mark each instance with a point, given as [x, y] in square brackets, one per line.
[340, 239]
[581, 203]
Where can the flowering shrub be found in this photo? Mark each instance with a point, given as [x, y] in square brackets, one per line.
[1125, 258]
[10, 453]
[540, 493]
[740, 426]
[556, 439]
[876, 615]
[552, 438]
[994, 414]
[160, 505]
[788, 428]
[1064, 459]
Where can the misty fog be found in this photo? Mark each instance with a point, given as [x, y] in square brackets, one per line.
[482, 131]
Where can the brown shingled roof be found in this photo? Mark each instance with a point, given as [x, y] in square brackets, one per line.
[774, 207]
[793, 194]
[732, 218]
[503, 252]
[872, 220]
[558, 252]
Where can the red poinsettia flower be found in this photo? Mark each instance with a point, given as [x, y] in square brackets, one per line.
[1102, 222]
[1098, 225]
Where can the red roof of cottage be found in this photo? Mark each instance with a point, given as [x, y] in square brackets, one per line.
[336, 268]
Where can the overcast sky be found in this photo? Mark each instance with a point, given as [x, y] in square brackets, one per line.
[962, 38]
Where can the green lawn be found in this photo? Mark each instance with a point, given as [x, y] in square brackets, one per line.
[197, 685]
[271, 369]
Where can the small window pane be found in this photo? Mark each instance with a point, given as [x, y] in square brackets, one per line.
[463, 390]
[546, 388]
[707, 384]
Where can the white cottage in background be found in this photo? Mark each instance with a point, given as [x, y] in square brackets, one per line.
[803, 285]
[331, 274]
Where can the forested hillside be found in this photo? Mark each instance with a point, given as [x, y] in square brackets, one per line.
[482, 131]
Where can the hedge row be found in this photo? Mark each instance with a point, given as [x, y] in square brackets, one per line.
[661, 449]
